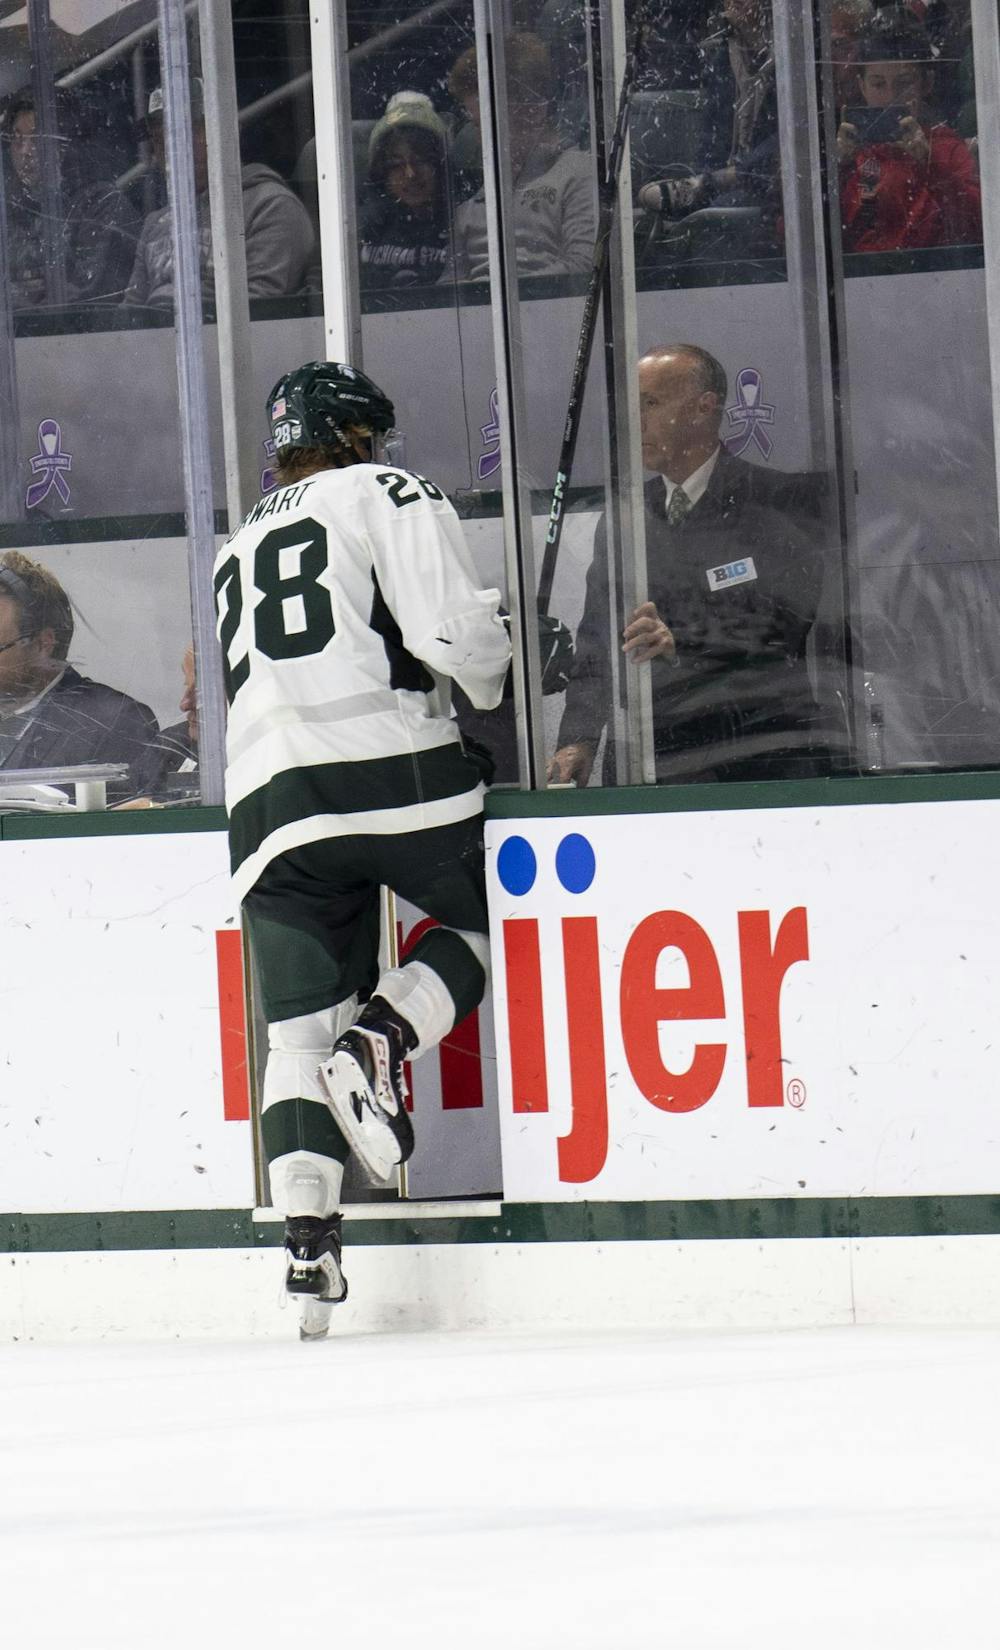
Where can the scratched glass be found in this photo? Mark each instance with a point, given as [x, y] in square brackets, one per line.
[427, 335]
[94, 599]
[706, 150]
[921, 414]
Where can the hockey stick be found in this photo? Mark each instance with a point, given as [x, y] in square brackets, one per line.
[607, 196]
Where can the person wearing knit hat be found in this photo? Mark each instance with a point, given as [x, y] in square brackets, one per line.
[404, 228]
[409, 112]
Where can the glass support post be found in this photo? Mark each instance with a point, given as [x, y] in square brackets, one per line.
[335, 181]
[632, 720]
[240, 413]
[807, 126]
[10, 423]
[519, 553]
[986, 53]
[193, 393]
[47, 142]
[802, 213]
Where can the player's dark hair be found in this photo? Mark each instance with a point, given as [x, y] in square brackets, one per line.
[42, 602]
[295, 463]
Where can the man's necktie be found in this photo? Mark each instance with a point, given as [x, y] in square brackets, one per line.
[678, 507]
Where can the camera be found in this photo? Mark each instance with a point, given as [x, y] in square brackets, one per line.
[876, 125]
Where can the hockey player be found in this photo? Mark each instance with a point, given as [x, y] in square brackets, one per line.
[347, 602]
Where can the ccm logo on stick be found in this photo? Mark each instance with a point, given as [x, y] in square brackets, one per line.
[766, 954]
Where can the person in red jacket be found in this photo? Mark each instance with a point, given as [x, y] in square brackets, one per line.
[905, 181]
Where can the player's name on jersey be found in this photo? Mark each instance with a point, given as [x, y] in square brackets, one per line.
[286, 498]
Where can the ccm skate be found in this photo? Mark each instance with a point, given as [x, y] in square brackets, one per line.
[366, 1088]
[314, 1277]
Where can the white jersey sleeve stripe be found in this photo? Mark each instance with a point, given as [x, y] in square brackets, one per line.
[447, 810]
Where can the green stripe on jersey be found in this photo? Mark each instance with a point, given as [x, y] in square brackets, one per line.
[383, 782]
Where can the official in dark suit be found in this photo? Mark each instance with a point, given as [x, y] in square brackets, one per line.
[734, 584]
[50, 716]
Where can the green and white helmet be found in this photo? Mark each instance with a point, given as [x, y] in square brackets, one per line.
[315, 405]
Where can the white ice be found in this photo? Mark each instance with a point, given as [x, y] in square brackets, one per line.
[833, 1488]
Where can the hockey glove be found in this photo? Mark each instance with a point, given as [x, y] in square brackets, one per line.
[556, 654]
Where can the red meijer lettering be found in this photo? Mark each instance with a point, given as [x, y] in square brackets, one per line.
[644, 1007]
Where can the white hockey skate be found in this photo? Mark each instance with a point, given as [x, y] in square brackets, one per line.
[314, 1277]
[366, 1090]
[314, 1318]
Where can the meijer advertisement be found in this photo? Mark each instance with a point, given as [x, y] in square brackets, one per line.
[760, 1003]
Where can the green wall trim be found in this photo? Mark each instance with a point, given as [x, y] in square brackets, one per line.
[513, 804]
[753, 1219]
[165, 524]
[983, 786]
[137, 822]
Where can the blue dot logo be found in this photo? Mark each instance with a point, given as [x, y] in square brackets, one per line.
[517, 866]
[575, 864]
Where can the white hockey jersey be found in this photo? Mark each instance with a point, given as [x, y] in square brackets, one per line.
[345, 603]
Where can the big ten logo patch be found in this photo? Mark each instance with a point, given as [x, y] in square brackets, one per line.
[459, 1053]
[767, 949]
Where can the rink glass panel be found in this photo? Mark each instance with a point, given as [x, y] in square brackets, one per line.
[919, 413]
[897, 487]
[425, 335]
[834, 360]
[91, 486]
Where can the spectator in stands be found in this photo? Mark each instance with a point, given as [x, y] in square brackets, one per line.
[279, 235]
[50, 715]
[905, 181]
[746, 115]
[553, 181]
[405, 220]
[740, 166]
[98, 229]
[734, 586]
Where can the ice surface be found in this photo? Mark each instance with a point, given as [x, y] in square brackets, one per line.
[807, 1489]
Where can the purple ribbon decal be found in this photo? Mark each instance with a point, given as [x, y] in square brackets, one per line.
[268, 479]
[490, 461]
[48, 463]
[749, 415]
